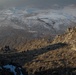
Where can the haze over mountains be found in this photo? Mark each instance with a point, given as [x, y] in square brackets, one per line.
[26, 24]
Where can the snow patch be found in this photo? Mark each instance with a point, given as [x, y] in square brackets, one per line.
[12, 69]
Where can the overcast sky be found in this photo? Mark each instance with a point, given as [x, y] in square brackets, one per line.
[34, 3]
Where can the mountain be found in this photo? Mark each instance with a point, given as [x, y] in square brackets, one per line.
[19, 26]
[47, 57]
[58, 57]
[51, 20]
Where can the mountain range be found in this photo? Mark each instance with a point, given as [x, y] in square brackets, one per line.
[18, 26]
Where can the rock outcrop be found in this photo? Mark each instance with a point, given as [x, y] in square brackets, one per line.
[68, 37]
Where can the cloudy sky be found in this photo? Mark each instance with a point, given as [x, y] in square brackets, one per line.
[34, 3]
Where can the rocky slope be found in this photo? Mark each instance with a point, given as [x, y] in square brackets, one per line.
[59, 57]
[43, 57]
[69, 37]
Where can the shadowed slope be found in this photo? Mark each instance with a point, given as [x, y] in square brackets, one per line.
[29, 55]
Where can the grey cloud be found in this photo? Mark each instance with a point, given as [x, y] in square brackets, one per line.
[34, 3]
